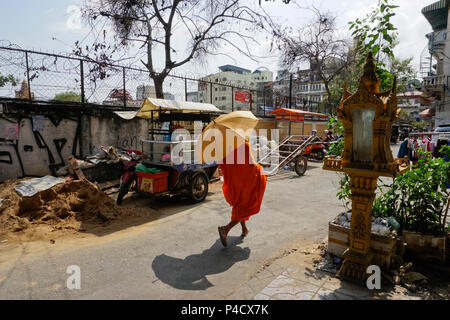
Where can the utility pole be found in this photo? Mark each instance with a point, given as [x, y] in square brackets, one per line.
[290, 91]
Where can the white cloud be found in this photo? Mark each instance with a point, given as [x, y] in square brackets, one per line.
[74, 22]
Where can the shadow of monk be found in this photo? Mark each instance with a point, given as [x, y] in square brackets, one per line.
[190, 273]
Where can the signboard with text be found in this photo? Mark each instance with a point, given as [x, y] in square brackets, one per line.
[242, 96]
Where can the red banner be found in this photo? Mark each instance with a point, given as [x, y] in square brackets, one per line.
[242, 96]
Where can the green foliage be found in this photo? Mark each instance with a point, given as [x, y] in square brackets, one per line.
[417, 199]
[418, 125]
[405, 117]
[344, 192]
[336, 150]
[376, 33]
[69, 96]
[338, 129]
[403, 71]
[4, 80]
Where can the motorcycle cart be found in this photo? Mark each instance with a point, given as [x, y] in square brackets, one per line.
[168, 177]
[186, 179]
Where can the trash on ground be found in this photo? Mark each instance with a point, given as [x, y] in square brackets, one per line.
[412, 277]
[381, 226]
[29, 188]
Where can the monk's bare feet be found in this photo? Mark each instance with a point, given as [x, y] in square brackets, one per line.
[245, 232]
[222, 235]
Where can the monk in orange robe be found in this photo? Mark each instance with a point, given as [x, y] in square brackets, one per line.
[243, 188]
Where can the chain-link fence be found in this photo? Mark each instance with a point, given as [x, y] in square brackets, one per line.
[44, 77]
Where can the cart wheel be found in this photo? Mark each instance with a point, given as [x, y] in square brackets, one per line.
[300, 165]
[198, 187]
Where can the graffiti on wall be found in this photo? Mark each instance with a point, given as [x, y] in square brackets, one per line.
[37, 145]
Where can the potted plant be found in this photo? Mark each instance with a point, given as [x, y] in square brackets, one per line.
[418, 200]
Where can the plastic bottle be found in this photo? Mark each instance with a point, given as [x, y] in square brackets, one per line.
[393, 223]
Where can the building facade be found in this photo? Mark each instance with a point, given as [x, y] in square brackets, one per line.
[227, 98]
[310, 90]
[436, 84]
[192, 96]
[301, 90]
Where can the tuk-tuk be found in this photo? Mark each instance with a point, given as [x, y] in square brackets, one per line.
[159, 173]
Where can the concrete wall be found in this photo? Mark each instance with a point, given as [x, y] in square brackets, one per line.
[37, 145]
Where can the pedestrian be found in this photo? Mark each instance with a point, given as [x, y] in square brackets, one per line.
[403, 151]
[243, 187]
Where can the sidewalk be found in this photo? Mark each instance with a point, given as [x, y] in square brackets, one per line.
[295, 277]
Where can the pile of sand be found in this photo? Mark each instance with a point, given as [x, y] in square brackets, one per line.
[66, 205]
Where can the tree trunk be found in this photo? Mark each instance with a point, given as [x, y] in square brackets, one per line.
[158, 81]
[328, 107]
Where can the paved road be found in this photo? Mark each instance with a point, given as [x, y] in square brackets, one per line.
[179, 255]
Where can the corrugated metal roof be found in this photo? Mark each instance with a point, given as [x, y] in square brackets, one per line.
[229, 67]
[436, 14]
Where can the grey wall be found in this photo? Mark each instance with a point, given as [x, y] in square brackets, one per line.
[36, 145]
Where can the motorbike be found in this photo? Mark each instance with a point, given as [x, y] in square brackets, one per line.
[316, 151]
[129, 176]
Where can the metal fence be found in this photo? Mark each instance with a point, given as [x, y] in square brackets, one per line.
[50, 77]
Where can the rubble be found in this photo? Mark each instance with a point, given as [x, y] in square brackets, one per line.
[61, 207]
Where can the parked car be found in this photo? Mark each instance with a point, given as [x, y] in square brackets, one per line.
[443, 128]
[441, 132]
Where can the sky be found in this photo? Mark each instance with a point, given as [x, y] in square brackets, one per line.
[54, 26]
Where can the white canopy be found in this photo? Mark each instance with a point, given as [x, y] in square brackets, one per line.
[153, 104]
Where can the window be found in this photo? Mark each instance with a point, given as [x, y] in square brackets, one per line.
[224, 98]
[224, 89]
[215, 89]
[215, 98]
[224, 79]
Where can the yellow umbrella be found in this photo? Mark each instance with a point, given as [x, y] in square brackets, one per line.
[224, 134]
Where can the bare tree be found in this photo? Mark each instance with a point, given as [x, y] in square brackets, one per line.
[318, 44]
[205, 25]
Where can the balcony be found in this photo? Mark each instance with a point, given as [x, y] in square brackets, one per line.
[436, 41]
[434, 83]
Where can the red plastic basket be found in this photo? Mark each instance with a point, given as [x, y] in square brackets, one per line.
[152, 182]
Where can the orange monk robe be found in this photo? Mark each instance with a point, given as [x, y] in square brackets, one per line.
[244, 184]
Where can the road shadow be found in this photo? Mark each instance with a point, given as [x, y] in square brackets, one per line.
[141, 209]
[190, 273]
[291, 174]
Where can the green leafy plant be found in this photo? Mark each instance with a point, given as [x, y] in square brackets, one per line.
[69, 96]
[4, 80]
[338, 129]
[336, 150]
[375, 32]
[418, 198]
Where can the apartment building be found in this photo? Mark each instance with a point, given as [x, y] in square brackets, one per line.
[226, 97]
[310, 90]
[305, 91]
[436, 84]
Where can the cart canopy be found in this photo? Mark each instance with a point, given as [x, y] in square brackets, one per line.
[294, 114]
[153, 104]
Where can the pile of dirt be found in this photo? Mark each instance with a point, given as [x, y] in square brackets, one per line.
[64, 206]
